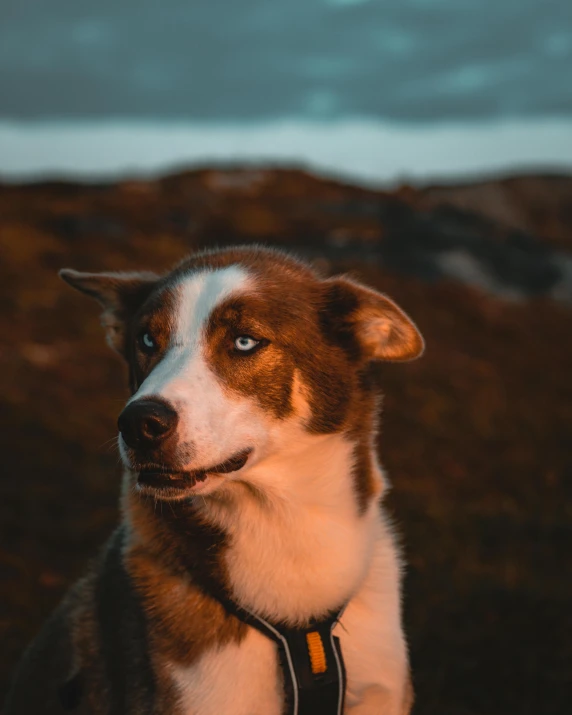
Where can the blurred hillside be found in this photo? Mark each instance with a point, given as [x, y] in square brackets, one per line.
[476, 435]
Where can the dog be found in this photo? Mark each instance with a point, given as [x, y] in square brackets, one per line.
[251, 502]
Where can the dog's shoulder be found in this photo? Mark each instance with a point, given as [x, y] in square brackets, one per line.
[91, 654]
[46, 679]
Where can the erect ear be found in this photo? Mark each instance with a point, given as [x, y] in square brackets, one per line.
[120, 295]
[370, 323]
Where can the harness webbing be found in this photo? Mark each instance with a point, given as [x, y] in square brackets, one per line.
[311, 662]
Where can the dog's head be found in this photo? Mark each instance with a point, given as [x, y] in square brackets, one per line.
[240, 356]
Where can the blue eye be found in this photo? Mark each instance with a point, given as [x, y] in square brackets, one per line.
[245, 343]
[146, 343]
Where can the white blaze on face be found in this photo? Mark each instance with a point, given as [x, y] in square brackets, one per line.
[215, 422]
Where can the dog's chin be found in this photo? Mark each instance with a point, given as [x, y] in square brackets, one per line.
[160, 482]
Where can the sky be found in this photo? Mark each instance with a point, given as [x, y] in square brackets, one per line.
[211, 73]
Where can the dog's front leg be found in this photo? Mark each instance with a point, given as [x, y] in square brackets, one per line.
[377, 700]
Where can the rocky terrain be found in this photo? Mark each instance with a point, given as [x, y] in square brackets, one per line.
[476, 435]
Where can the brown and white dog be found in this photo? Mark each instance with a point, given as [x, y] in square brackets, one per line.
[248, 445]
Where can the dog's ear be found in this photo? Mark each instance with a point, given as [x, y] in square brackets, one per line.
[368, 323]
[120, 295]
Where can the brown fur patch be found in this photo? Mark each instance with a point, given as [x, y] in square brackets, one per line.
[175, 563]
[362, 472]
[265, 375]
[154, 316]
[284, 310]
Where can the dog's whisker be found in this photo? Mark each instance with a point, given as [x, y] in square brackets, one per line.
[114, 440]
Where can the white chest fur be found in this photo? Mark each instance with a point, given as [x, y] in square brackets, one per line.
[304, 548]
[240, 679]
[245, 679]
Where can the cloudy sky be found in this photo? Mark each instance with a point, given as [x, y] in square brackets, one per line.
[408, 67]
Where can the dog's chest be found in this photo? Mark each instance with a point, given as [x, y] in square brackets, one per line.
[246, 679]
[242, 679]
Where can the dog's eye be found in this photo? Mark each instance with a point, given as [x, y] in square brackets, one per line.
[146, 343]
[245, 343]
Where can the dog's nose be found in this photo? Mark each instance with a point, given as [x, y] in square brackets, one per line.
[147, 423]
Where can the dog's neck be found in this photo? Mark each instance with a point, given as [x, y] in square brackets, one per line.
[287, 541]
[298, 542]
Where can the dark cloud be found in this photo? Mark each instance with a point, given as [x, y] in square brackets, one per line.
[221, 60]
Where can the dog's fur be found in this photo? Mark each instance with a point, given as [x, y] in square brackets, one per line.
[294, 533]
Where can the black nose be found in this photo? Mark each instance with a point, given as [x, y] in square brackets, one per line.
[147, 423]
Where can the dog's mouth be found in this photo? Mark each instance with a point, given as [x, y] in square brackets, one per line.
[160, 477]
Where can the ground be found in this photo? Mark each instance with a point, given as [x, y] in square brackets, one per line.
[475, 436]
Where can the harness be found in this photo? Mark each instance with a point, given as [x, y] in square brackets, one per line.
[310, 658]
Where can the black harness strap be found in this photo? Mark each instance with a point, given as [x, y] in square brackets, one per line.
[311, 661]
